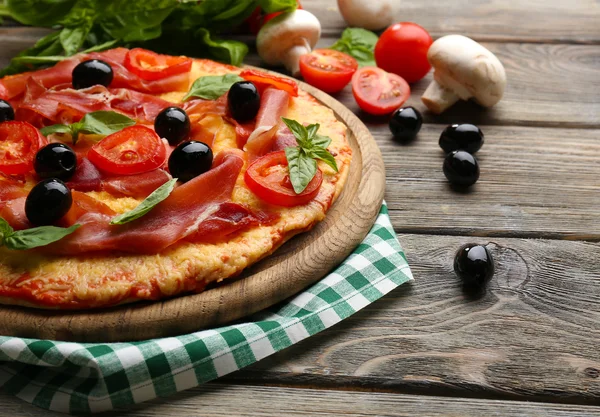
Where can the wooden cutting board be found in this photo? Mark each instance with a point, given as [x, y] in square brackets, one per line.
[300, 262]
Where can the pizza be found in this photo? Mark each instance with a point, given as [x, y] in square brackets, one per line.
[127, 175]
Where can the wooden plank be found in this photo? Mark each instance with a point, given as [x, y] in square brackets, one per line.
[533, 335]
[220, 400]
[510, 20]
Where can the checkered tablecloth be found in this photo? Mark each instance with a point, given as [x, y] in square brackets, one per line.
[93, 377]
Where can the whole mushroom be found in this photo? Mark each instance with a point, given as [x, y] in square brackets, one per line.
[285, 38]
[463, 69]
[367, 14]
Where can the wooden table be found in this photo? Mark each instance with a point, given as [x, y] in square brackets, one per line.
[530, 346]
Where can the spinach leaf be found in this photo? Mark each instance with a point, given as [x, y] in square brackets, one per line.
[136, 20]
[224, 50]
[148, 204]
[358, 43]
[39, 12]
[211, 87]
[302, 158]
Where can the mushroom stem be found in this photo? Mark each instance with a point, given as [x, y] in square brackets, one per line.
[291, 58]
[438, 98]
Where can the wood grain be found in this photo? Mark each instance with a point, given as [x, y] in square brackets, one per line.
[533, 335]
[301, 262]
[497, 20]
[219, 400]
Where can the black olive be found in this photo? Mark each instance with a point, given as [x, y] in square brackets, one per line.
[461, 168]
[406, 123]
[92, 72]
[55, 160]
[173, 124]
[189, 160]
[6, 111]
[47, 202]
[243, 100]
[474, 265]
[466, 137]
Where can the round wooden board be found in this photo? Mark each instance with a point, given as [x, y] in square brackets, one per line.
[297, 264]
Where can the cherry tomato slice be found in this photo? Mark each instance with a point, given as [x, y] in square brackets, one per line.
[327, 69]
[19, 143]
[268, 177]
[378, 92]
[133, 150]
[151, 66]
[263, 80]
[402, 49]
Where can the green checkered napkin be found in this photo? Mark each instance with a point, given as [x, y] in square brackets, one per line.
[93, 377]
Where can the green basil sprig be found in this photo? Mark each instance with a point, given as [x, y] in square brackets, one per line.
[359, 43]
[302, 158]
[32, 238]
[98, 123]
[148, 204]
[211, 87]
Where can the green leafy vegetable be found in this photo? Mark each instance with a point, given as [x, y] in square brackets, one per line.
[148, 204]
[302, 158]
[224, 50]
[97, 123]
[211, 87]
[32, 238]
[359, 43]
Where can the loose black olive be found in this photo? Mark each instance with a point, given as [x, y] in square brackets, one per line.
[55, 160]
[173, 124]
[405, 123]
[92, 72]
[189, 160]
[474, 265]
[461, 168]
[48, 201]
[243, 100]
[466, 137]
[6, 111]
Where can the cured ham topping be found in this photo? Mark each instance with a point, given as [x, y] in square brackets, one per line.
[273, 106]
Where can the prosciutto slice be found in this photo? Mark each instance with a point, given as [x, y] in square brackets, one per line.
[137, 186]
[12, 205]
[273, 106]
[175, 218]
[86, 177]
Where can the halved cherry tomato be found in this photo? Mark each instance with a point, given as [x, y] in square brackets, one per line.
[379, 92]
[257, 20]
[327, 69]
[274, 15]
[133, 150]
[151, 66]
[268, 177]
[263, 80]
[402, 49]
[19, 143]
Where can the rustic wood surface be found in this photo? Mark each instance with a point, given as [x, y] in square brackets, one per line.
[300, 262]
[429, 348]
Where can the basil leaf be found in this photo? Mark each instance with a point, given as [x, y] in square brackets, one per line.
[325, 156]
[5, 229]
[321, 141]
[104, 122]
[299, 131]
[224, 50]
[311, 130]
[37, 236]
[135, 21]
[358, 43]
[39, 12]
[211, 87]
[148, 204]
[302, 168]
[272, 6]
[71, 38]
[58, 128]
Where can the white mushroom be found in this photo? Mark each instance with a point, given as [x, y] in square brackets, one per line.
[463, 69]
[283, 39]
[367, 14]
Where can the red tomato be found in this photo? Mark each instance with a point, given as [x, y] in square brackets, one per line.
[263, 80]
[274, 15]
[268, 177]
[133, 150]
[378, 92]
[151, 66]
[327, 69]
[254, 21]
[19, 142]
[402, 49]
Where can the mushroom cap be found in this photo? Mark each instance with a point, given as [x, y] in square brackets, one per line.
[468, 69]
[368, 14]
[280, 34]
